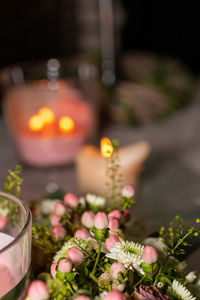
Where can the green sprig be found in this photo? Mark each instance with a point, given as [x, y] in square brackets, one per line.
[13, 182]
[114, 177]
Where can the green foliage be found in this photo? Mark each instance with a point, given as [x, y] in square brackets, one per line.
[100, 235]
[58, 289]
[42, 239]
[127, 202]
[176, 236]
[12, 186]
[13, 182]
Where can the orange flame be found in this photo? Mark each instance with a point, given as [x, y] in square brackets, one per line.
[46, 115]
[36, 123]
[66, 124]
[106, 147]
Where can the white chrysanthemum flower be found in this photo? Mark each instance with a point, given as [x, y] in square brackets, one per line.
[101, 296]
[84, 245]
[4, 211]
[180, 292]
[128, 253]
[94, 200]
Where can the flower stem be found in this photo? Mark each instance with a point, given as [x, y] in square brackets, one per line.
[180, 242]
[161, 268]
[71, 290]
[125, 206]
[141, 279]
[97, 258]
[93, 278]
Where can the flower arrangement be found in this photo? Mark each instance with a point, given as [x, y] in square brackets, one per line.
[84, 241]
[95, 261]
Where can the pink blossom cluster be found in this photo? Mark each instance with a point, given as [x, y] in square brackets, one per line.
[58, 232]
[74, 257]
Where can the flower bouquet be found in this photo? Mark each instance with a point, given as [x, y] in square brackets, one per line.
[82, 245]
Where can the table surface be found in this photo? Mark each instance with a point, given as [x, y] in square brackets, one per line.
[170, 182]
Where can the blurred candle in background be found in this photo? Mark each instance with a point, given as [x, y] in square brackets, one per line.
[91, 165]
[48, 126]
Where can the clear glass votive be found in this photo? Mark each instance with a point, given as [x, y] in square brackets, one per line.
[48, 126]
[15, 247]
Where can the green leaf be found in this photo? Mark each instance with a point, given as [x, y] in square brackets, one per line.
[147, 268]
[60, 275]
[70, 276]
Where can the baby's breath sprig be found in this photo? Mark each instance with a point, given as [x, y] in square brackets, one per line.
[13, 182]
[43, 240]
[176, 236]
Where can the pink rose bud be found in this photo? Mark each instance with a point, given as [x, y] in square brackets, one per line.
[83, 298]
[126, 215]
[113, 224]
[53, 270]
[115, 214]
[59, 209]
[54, 219]
[65, 266]
[114, 295]
[128, 191]
[82, 234]
[101, 221]
[116, 268]
[71, 200]
[38, 291]
[87, 219]
[113, 238]
[3, 221]
[118, 287]
[149, 255]
[75, 256]
[58, 232]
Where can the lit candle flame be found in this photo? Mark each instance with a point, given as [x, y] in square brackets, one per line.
[66, 124]
[46, 115]
[106, 147]
[36, 123]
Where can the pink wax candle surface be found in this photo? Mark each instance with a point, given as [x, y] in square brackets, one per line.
[7, 277]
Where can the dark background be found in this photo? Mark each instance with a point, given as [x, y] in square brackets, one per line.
[36, 29]
[166, 27]
[45, 28]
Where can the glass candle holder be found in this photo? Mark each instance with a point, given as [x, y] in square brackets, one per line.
[15, 247]
[48, 126]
